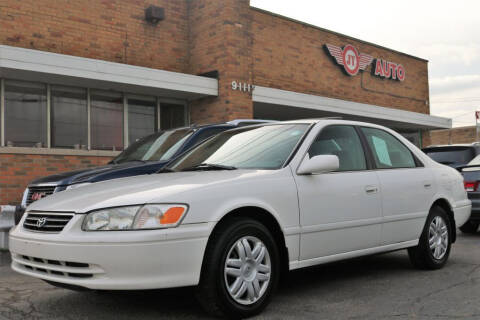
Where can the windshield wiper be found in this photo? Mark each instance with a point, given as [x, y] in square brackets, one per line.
[166, 169]
[209, 166]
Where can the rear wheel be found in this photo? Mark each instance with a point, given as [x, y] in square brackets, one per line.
[469, 227]
[240, 270]
[434, 245]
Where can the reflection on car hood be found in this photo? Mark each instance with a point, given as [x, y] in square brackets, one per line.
[164, 187]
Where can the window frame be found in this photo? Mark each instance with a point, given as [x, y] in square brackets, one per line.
[418, 163]
[368, 160]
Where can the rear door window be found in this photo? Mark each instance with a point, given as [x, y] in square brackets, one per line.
[388, 151]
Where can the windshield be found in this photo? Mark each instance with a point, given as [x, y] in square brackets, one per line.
[451, 155]
[266, 147]
[475, 161]
[156, 147]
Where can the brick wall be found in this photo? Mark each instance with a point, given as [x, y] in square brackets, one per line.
[220, 39]
[111, 30]
[451, 136]
[289, 55]
[17, 170]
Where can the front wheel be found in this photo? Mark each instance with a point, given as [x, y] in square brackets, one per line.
[469, 227]
[434, 245]
[240, 270]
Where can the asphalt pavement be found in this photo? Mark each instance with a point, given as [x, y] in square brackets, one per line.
[377, 287]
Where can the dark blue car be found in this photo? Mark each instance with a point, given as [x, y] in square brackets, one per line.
[145, 156]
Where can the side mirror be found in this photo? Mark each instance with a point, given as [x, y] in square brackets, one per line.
[319, 164]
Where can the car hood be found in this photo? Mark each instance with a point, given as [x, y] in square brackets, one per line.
[176, 187]
[100, 173]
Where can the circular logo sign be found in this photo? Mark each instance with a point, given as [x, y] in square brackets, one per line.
[351, 60]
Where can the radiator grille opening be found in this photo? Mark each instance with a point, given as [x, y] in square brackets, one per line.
[47, 267]
[46, 222]
[37, 193]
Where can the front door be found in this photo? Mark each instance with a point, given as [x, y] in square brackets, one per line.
[339, 211]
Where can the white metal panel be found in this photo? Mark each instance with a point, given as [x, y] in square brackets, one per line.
[279, 97]
[35, 65]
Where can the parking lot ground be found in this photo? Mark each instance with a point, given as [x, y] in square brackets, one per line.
[377, 287]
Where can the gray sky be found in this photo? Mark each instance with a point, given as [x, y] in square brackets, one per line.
[447, 33]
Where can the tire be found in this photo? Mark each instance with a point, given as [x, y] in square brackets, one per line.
[216, 279]
[437, 226]
[469, 227]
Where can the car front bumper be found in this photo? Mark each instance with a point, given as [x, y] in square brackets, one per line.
[112, 260]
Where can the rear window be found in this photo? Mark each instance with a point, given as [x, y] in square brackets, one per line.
[451, 155]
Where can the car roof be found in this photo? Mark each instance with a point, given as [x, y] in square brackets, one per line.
[474, 144]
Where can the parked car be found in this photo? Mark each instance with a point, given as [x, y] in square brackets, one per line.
[239, 209]
[471, 175]
[454, 155]
[145, 156]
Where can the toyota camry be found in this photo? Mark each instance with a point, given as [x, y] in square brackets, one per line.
[233, 214]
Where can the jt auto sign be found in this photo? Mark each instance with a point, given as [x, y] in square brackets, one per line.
[354, 61]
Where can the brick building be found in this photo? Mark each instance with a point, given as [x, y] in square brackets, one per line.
[453, 136]
[81, 80]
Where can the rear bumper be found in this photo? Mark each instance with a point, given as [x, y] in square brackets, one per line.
[475, 216]
[462, 214]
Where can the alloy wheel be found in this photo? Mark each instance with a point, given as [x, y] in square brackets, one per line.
[438, 237]
[247, 270]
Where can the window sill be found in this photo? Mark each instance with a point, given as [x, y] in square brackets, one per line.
[61, 152]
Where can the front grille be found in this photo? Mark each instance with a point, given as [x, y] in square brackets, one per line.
[38, 192]
[55, 267]
[45, 222]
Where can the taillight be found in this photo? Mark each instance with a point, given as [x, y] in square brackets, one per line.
[470, 186]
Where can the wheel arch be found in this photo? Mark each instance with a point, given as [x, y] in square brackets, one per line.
[445, 205]
[266, 218]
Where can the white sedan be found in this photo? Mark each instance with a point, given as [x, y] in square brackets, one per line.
[234, 213]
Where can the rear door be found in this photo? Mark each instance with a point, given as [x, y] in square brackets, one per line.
[407, 186]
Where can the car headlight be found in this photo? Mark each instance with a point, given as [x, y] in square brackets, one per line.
[78, 185]
[150, 216]
[24, 198]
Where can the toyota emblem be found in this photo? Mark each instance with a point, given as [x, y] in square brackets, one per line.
[41, 222]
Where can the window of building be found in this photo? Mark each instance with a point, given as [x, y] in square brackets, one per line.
[388, 152]
[106, 120]
[69, 117]
[57, 116]
[343, 142]
[142, 117]
[25, 108]
[172, 115]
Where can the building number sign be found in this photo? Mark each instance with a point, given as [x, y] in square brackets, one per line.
[242, 86]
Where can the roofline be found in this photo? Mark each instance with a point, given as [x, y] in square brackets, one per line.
[452, 145]
[336, 33]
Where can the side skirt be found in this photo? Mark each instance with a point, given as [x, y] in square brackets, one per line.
[352, 254]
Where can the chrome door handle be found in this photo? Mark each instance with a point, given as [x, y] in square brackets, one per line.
[371, 189]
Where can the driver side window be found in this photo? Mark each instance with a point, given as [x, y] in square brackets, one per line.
[343, 142]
